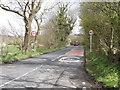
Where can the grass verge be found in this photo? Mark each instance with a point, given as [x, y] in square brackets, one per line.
[12, 53]
[102, 69]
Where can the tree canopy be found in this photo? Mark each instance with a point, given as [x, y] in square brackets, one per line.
[104, 19]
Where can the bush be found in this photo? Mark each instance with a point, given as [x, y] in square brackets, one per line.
[102, 69]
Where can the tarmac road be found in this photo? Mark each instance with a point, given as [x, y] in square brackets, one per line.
[59, 69]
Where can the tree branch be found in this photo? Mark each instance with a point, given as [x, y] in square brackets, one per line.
[7, 8]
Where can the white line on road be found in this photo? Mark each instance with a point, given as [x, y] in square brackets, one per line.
[84, 88]
[20, 76]
[58, 57]
[26, 73]
[83, 83]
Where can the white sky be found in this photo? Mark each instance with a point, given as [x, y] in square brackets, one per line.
[17, 22]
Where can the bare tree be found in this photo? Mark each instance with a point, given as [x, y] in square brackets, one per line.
[50, 35]
[40, 19]
[26, 9]
[18, 40]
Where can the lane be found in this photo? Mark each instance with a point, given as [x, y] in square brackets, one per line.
[17, 69]
[77, 52]
[60, 69]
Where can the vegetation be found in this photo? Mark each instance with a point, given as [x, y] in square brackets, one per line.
[63, 23]
[11, 53]
[103, 61]
[58, 28]
[102, 17]
[27, 10]
[103, 70]
[55, 34]
[106, 25]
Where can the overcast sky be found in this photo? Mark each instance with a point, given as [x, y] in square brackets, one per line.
[17, 22]
[10, 21]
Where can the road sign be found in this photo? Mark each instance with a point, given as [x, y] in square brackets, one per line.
[33, 33]
[91, 32]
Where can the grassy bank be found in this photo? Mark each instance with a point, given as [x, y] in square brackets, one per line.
[12, 53]
[102, 69]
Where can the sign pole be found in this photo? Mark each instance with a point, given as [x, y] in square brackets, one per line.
[91, 32]
[33, 33]
[90, 43]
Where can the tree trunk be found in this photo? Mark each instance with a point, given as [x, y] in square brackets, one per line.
[110, 55]
[26, 43]
[37, 34]
[38, 30]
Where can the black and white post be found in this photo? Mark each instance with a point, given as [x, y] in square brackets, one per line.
[91, 32]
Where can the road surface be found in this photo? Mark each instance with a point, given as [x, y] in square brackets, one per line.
[59, 69]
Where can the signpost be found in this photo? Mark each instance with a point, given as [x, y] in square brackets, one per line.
[91, 32]
[33, 33]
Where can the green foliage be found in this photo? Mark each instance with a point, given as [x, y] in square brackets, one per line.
[103, 18]
[15, 54]
[58, 28]
[105, 25]
[15, 42]
[103, 70]
[63, 24]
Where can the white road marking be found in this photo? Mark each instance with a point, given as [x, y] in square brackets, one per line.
[73, 83]
[83, 83]
[26, 73]
[20, 76]
[58, 57]
[67, 59]
[84, 88]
